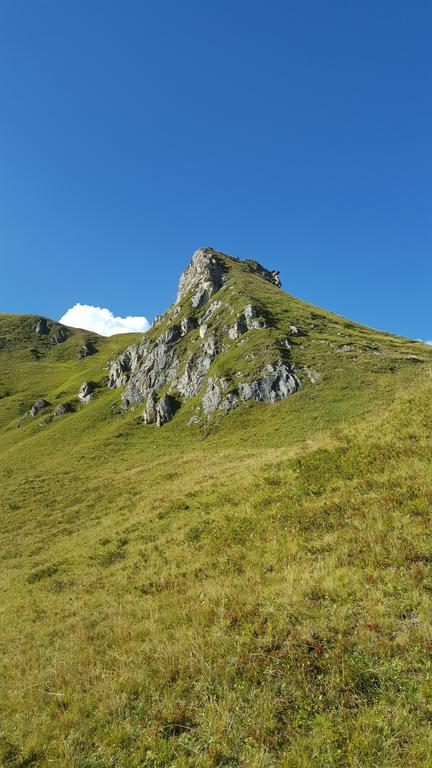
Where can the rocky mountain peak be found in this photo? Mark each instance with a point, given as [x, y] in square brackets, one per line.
[218, 345]
[208, 270]
[204, 276]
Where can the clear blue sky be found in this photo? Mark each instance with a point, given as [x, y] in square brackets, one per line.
[295, 133]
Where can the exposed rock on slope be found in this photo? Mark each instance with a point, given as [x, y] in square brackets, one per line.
[200, 347]
[86, 391]
[38, 406]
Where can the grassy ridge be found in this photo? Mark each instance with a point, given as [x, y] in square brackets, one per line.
[253, 592]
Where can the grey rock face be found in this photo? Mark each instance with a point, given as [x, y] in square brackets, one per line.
[165, 410]
[86, 391]
[153, 366]
[62, 408]
[204, 276]
[120, 368]
[38, 406]
[150, 412]
[58, 337]
[186, 325]
[41, 326]
[276, 382]
[248, 320]
[216, 398]
[208, 314]
[196, 369]
[158, 412]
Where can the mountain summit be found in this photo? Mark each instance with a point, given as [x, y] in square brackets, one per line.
[204, 346]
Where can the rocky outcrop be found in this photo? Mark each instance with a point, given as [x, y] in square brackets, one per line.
[86, 391]
[249, 319]
[216, 397]
[58, 337]
[276, 382]
[87, 349]
[203, 277]
[41, 326]
[271, 275]
[38, 406]
[152, 365]
[183, 368]
[62, 408]
[121, 367]
[158, 412]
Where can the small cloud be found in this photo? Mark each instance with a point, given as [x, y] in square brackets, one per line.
[102, 321]
[424, 341]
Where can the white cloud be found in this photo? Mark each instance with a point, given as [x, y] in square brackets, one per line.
[102, 320]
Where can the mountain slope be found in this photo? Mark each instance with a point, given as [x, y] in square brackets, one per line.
[251, 588]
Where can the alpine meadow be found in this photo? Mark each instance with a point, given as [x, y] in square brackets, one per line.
[215, 536]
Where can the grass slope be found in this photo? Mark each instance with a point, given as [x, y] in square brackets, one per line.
[253, 592]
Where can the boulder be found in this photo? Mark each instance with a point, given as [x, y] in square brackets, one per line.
[86, 391]
[38, 406]
[158, 412]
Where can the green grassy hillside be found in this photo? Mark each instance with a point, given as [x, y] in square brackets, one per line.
[253, 590]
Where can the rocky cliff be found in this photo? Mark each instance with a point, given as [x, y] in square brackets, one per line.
[217, 344]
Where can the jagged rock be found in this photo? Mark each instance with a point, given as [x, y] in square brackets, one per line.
[150, 412]
[271, 275]
[120, 368]
[154, 365]
[58, 337]
[208, 314]
[87, 349]
[203, 277]
[238, 329]
[248, 320]
[196, 369]
[41, 326]
[38, 406]
[286, 344]
[158, 412]
[165, 410]
[162, 363]
[216, 398]
[277, 382]
[187, 324]
[62, 408]
[86, 391]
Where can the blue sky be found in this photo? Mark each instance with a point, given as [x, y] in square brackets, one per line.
[298, 134]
